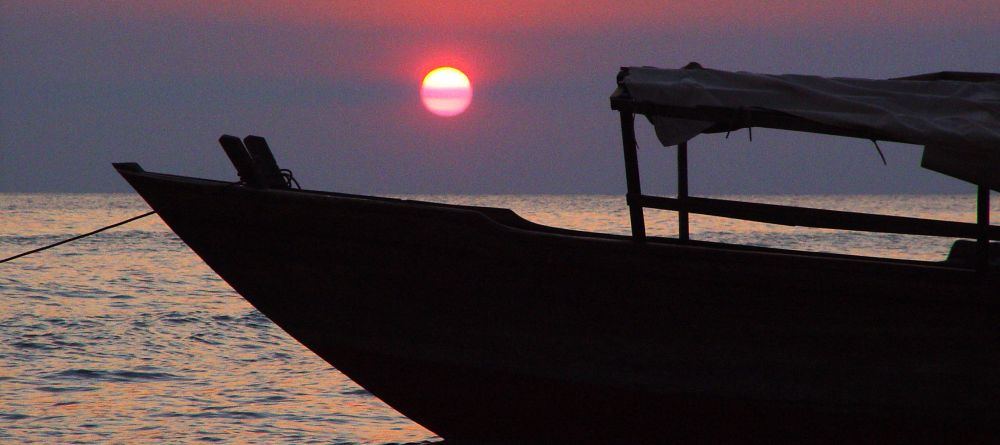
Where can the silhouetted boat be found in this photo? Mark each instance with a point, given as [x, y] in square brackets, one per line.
[481, 325]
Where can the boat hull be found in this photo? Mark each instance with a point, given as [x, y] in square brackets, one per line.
[482, 326]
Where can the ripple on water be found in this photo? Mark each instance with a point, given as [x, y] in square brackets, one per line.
[112, 376]
[201, 338]
[358, 392]
[217, 412]
[179, 318]
[34, 345]
[72, 323]
[62, 389]
[256, 320]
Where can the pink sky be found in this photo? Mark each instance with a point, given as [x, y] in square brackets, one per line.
[565, 15]
[404, 39]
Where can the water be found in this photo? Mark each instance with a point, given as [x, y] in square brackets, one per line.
[127, 337]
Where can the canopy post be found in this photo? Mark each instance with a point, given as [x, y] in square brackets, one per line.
[983, 223]
[682, 191]
[632, 175]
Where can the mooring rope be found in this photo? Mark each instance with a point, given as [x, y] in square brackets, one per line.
[77, 237]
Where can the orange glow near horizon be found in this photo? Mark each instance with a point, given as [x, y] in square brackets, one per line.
[446, 91]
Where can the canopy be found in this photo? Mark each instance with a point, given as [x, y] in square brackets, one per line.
[957, 115]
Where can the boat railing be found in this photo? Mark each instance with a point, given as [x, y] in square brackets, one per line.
[816, 218]
[683, 204]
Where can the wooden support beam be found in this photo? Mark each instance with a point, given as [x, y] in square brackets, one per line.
[632, 174]
[820, 218]
[683, 232]
[983, 227]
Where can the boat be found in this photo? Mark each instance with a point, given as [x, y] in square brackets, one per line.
[485, 327]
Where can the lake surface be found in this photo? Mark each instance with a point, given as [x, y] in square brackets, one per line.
[127, 337]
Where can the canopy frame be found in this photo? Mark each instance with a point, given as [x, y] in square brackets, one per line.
[723, 119]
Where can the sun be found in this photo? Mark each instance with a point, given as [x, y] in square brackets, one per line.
[446, 91]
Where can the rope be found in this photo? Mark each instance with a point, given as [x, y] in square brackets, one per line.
[879, 152]
[77, 237]
[285, 173]
[289, 178]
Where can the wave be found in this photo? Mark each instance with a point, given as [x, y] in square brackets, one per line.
[112, 376]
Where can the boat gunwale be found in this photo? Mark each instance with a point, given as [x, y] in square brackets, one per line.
[508, 220]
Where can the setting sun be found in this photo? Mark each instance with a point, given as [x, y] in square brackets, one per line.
[446, 91]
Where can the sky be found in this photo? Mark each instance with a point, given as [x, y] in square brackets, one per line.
[334, 87]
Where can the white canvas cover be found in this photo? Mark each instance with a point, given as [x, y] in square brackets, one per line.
[942, 113]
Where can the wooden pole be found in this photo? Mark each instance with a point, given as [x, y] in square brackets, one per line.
[632, 175]
[983, 222]
[682, 191]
